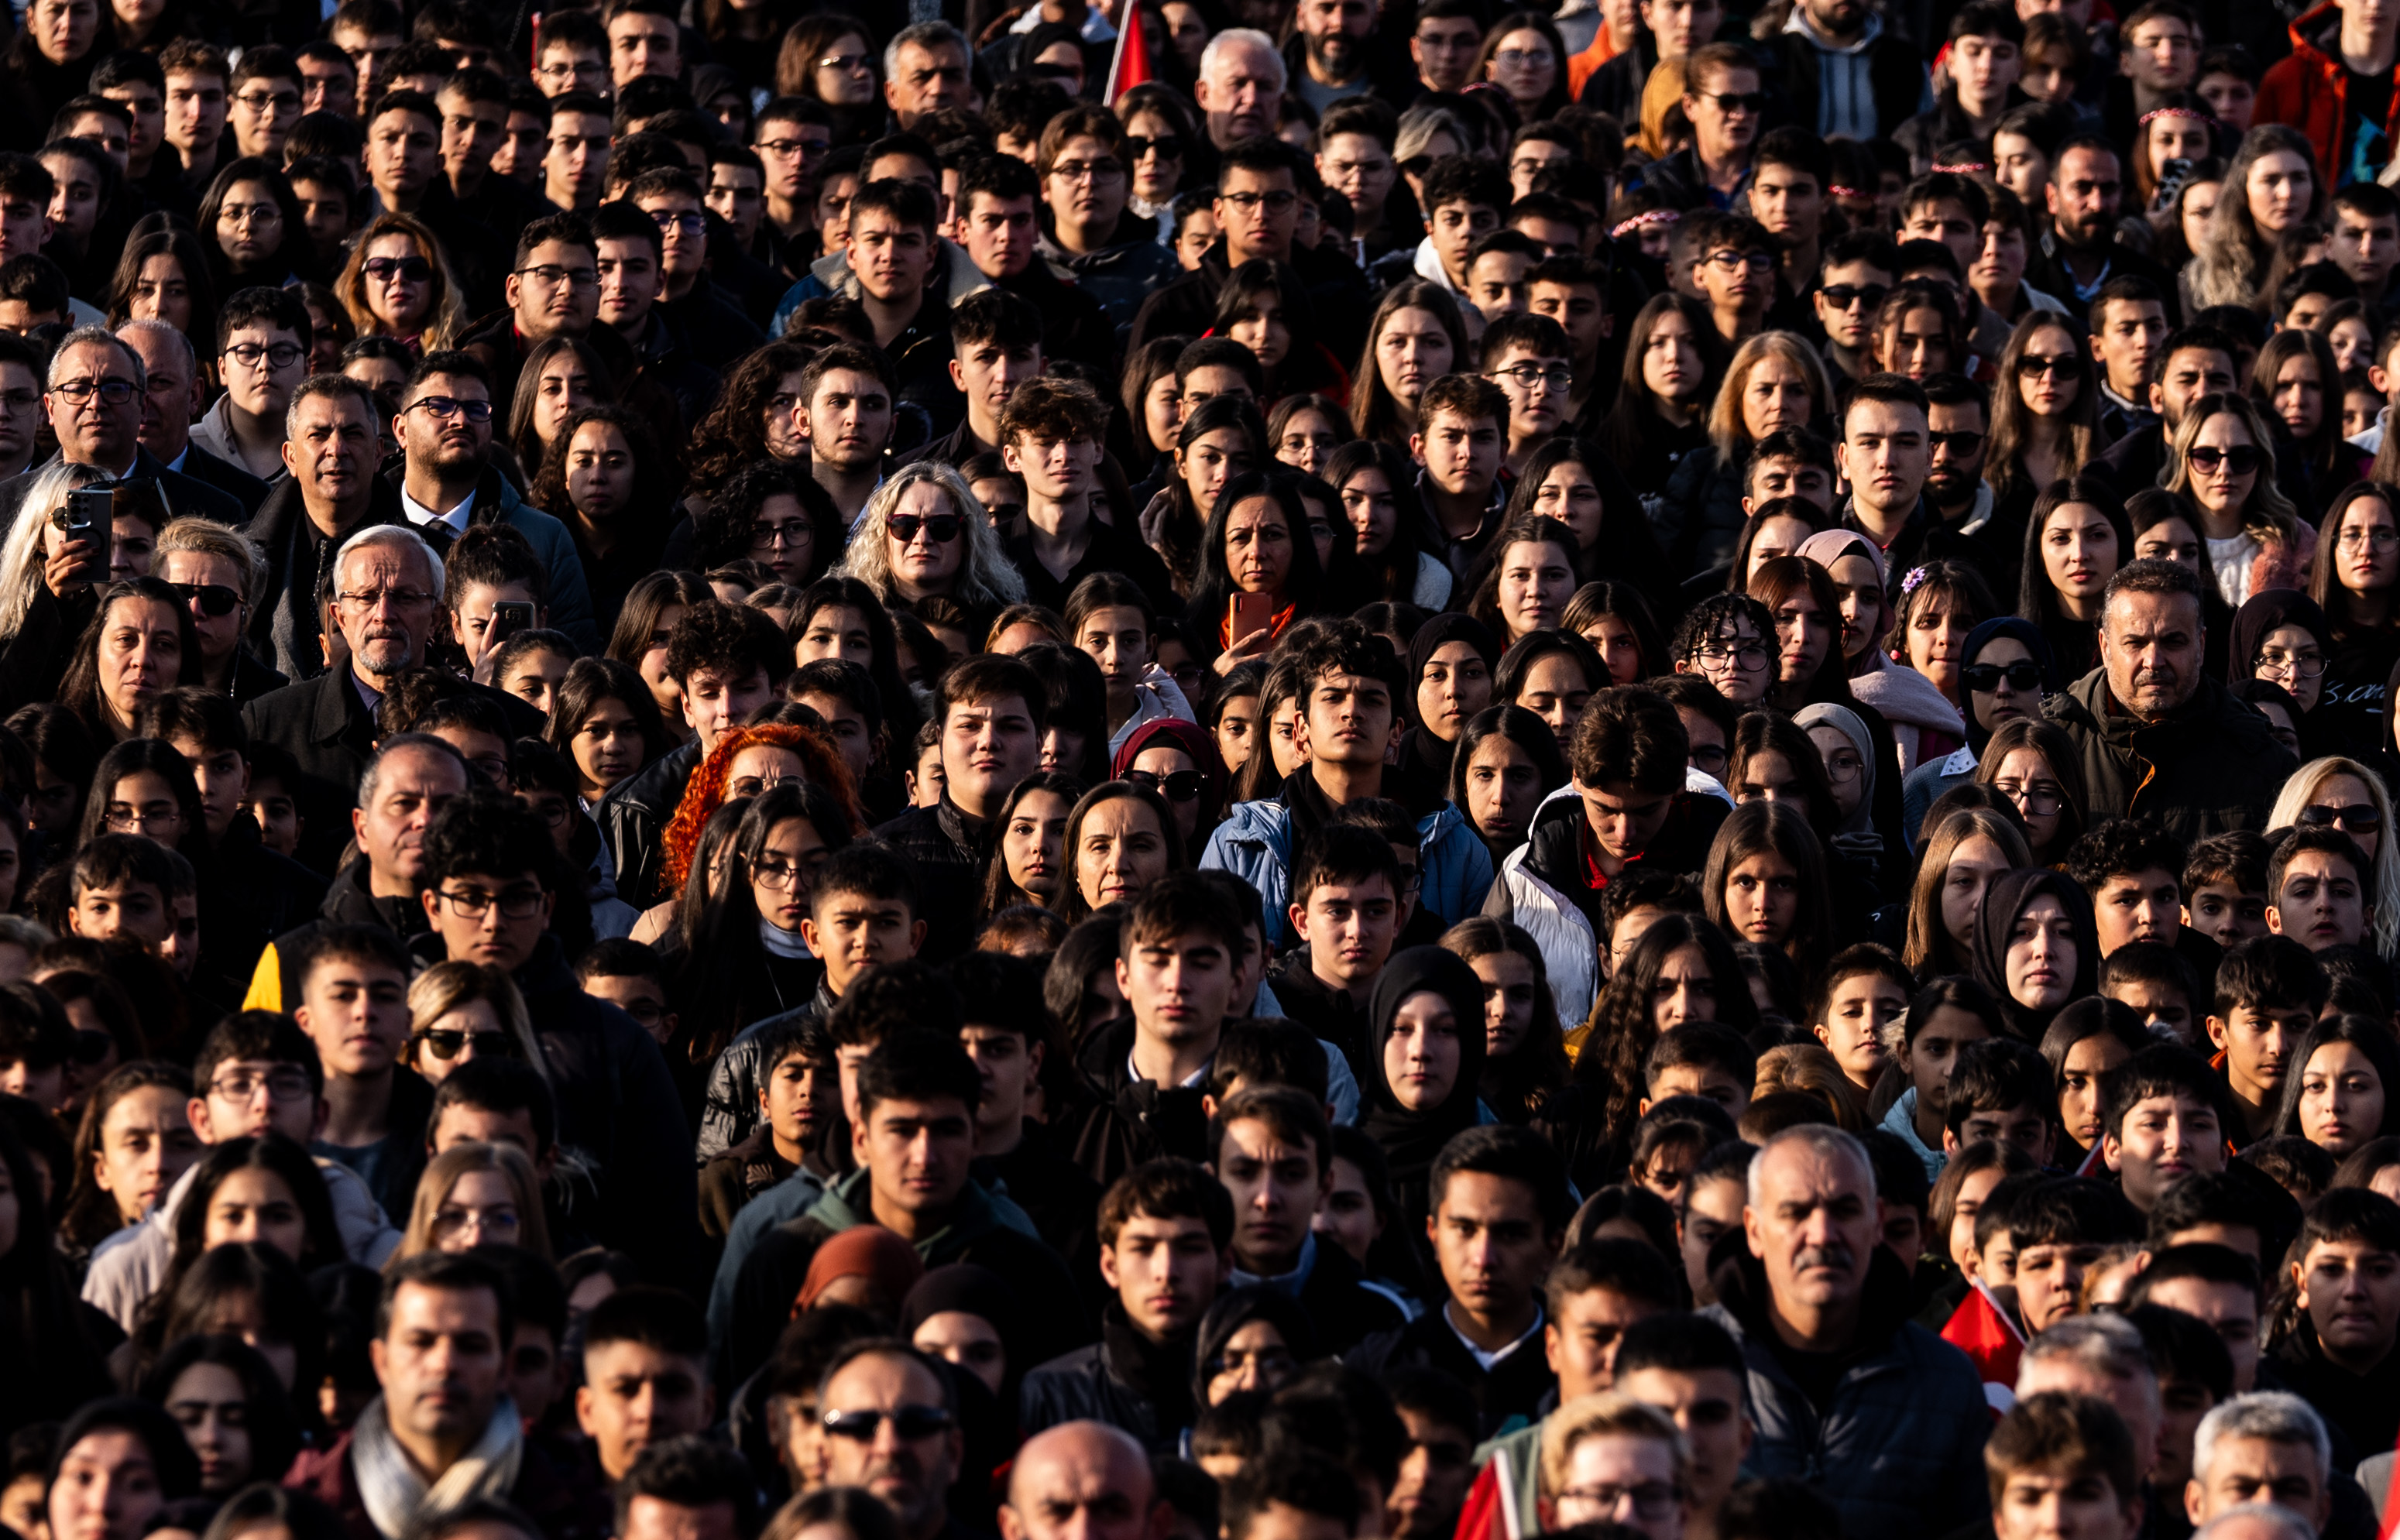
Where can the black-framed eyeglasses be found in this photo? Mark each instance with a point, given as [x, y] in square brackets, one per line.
[553, 275]
[446, 407]
[114, 390]
[2032, 365]
[1169, 147]
[794, 536]
[280, 1084]
[210, 599]
[1984, 678]
[1748, 656]
[1176, 785]
[1529, 374]
[447, 1042]
[911, 1422]
[516, 903]
[1757, 262]
[1736, 101]
[279, 355]
[941, 527]
[1276, 201]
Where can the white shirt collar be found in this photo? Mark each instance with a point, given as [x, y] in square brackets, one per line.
[420, 515]
[1488, 1361]
[1191, 1081]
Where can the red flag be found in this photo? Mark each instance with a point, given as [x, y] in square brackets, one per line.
[1980, 1328]
[1130, 67]
[1491, 1511]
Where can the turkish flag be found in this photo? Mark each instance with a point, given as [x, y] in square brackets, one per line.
[1980, 1328]
[1131, 65]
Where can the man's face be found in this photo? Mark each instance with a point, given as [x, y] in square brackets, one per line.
[2143, 906]
[1680, 26]
[2260, 1470]
[262, 365]
[1984, 69]
[74, 202]
[445, 429]
[2322, 903]
[718, 698]
[1080, 1485]
[1359, 167]
[2130, 332]
[247, 1096]
[471, 134]
[2230, 1311]
[1814, 1225]
[1455, 227]
[853, 933]
[642, 44]
[1179, 988]
[999, 234]
[2190, 373]
[1956, 435]
[1623, 819]
[355, 1010]
[1582, 1338]
[629, 282]
[1848, 298]
[635, 1395]
[196, 113]
[262, 112]
[1349, 720]
[2351, 1290]
[891, 256]
[1577, 307]
[331, 452]
[1612, 1477]
[917, 1153]
[95, 431]
[1496, 283]
[1789, 201]
[1257, 211]
[136, 910]
[1883, 455]
[1240, 93]
[1165, 1273]
[1336, 30]
[2161, 55]
[1947, 221]
[2150, 644]
[927, 78]
[2365, 248]
[2084, 192]
[1435, 1473]
[490, 917]
[1275, 1185]
[329, 86]
[2163, 1139]
[556, 292]
[683, 232]
[148, 105]
[1493, 1248]
[403, 152]
[988, 747]
[2063, 1502]
[440, 1361]
[848, 421]
[738, 196]
[2050, 1279]
[411, 786]
[907, 1460]
[988, 373]
[575, 164]
[1461, 455]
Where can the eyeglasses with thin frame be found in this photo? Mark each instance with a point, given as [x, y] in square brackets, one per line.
[2038, 798]
[553, 274]
[2297, 665]
[375, 598]
[1649, 1499]
[283, 1084]
[499, 1224]
[125, 818]
[2380, 538]
[278, 355]
[1278, 202]
[1096, 171]
[773, 871]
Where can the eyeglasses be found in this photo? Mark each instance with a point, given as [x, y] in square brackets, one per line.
[516, 903]
[1843, 768]
[1087, 171]
[1708, 757]
[373, 598]
[210, 599]
[279, 355]
[500, 1223]
[1176, 785]
[2039, 797]
[793, 536]
[2300, 665]
[1169, 147]
[124, 818]
[743, 786]
[2241, 461]
[1960, 442]
[911, 1422]
[846, 62]
[1736, 101]
[1844, 296]
[2031, 365]
[446, 1042]
[1276, 203]
[2355, 540]
[259, 102]
[1757, 262]
[1650, 1499]
[1528, 376]
[773, 871]
[1750, 656]
[446, 407]
[2359, 818]
[1525, 58]
[1984, 678]
[672, 220]
[114, 390]
[279, 1085]
[551, 274]
[383, 269]
[941, 528]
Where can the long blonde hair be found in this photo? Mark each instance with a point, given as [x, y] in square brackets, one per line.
[445, 317]
[1727, 429]
[987, 578]
[2383, 880]
[21, 555]
[2267, 514]
[1927, 943]
[433, 1191]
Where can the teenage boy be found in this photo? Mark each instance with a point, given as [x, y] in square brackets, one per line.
[2334, 88]
[2128, 324]
[2346, 1281]
[1983, 58]
[1114, 253]
[1458, 446]
[1703, 1059]
[996, 338]
[797, 1094]
[197, 80]
[2212, 1284]
[2133, 874]
[2317, 887]
[913, 1142]
[990, 710]
[1273, 1149]
[846, 412]
[1788, 197]
[1163, 1229]
[1050, 432]
[1723, 101]
[263, 351]
[629, 254]
[2002, 1090]
[1575, 293]
[998, 201]
[1007, 1032]
[645, 1375]
[1114, 624]
[1927, 1053]
[1255, 211]
[2161, 987]
[1532, 362]
[1499, 1204]
[1853, 277]
[1465, 197]
[2224, 886]
[1732, 271]
[2163, 1117]
[1349, 694]
[2058, 1232]
[1884, 454]
[2366, 237]
[1688, 1367]
[2269, 994]
[1499, 269]
[354, 1007]
[2059, 1464]
[1346, 913]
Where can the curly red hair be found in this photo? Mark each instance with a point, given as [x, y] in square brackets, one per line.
[705, 792]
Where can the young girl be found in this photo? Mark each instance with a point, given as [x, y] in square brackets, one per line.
[1765, 882]
[2354, 579]
[2076, 540]
[1528, 578]
[2298, 381]
[1672, 360]
[1376, 484]
[2033, 765]
[1222, 438]
[1940, 606]
[2045, 414]
[1264, 306]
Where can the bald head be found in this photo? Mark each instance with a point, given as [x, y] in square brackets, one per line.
[1082, 1481]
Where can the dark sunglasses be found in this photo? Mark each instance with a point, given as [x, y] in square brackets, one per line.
[1843, 295]
[1984, 678]
[214, 599]
[1167, 145]
[2059, 363]
[415, 269]
[446, 1044]
[2359, 818]
[1177, 785]
[911, 1422]
[1960, 442]
[943, 528]
[2241, 459]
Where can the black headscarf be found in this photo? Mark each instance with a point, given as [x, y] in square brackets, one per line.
[170, 1454]
[1411, 1140]
[1996, 917]
[2261, 614]
[1238, 1309]
[2034, 643]
[965, 1288]
[1429, 753]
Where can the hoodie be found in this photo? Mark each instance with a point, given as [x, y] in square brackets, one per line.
[2309, 90]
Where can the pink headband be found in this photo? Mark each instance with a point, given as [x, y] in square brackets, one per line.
[1648, 217]
[2192, 113]
[1963, 167]
[1840, 191]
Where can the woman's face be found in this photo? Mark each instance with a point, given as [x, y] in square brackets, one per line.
[2353, 342]
[1258, 547]
[792, 556]
[2299, 395]
[1803, 637]
[563, 389]
[1262, 328]
[781, 876]
[1555, 690]
[250, 224]
[1212, 460]
[1308, 436]
[607, 745]
[1781, 535]
[2173, 540]
[141, 654]
[2027, 780]
[1320, 528]
[1618, 648]
[1158, 169]
[968, 1341]
[1032, 842]
[474, 1026]
[208, 1402]
[1843, 767]
[107, 1488]
[1348, 1217]
[2225, 462]
[1569, 494]
[2050, 373]
[837, 631]
[1686, 990]
[1916, 343]
[398, 283]
[1937, 634]
[779, 422]
[1120, 850]
[1412, 352]
[2007, 700]
[1775, 396]
[1162, 413]
[1508, 990]
[1503, 787]
[2367, 548]
[599, 471]
[1767, 776]
[1254, 1357]
[2281, 187]
[254, 1203]
[1423, 1054]
[1671, 365]
[1525, 66]
[2338, 794]
[482, 1207]
[2291, 657]
[2079, 551]
[2040, 964]
[1161, 760]
[844, 73]
[1368, 502]
[161, 293]
[1537, 580]
[1455, 685]
[928, 560]
[1283, 738]
[1238, 720]
[2081, 1077]
[2341, 1098]
[1761, 899]
[143, 803]
[2198, 204]
[2176, 138]
[1864, 613]
[1974, 863]
[63, 30]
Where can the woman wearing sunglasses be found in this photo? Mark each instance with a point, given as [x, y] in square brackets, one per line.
[461, 1011]
[2007, 671]
[2345, 795]
[217, 573]
[2223, 458]
[397, 284]
[1178, 761]
[923, 534]
[2354, 579]
[2045, 416]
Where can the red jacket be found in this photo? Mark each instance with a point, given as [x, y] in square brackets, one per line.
[2309, 90]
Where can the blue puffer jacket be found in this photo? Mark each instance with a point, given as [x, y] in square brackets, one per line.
[1254, 843]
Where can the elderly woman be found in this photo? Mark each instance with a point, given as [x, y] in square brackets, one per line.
[923, 533]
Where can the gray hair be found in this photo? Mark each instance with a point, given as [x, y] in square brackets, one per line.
[927, 35]
[1824, 1139]
[2106, 1345]
[987, 578]
[99, 336]
[1233, 39]
[2276, 1416]
[2281, 1522]
[147, 326]
[421, 742]
[392, 535]
[20, 551]
[208, 538]
[342, 386]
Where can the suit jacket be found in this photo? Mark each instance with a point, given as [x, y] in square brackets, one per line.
[225, 477]
[184, 493]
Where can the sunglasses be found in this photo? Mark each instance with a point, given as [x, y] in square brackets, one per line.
[1177, 785]
[1984, 678]
[911, 1422]
[2242, 459]
[2063, 363]
[2359, 818]
[943, 528]
[214, 599]
[1841, 296]
[1167, 145]
[415, 269]
[1962, 442]
[446, 1044]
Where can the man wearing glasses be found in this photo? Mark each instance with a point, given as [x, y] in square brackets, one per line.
[174, 386]
[715, 328]
[262, 355]
[94, 402]
[1086, 181]
[1727, 107]
[1853, 277]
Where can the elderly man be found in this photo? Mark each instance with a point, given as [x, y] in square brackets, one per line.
[95, 398]
[1081, 1482]
[2158, 737]
[173, 394]
[1892, 1424]
[331, 493]
[1242, 79]
[925, 68]
[2269, 1448]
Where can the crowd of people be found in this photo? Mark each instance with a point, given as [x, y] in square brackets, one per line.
[1345, 771]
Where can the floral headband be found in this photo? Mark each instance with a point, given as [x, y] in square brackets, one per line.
[1962, 168]
[1647, 217]
[2192, 113]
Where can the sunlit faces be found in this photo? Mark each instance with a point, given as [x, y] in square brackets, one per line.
[1859, 1010]
[1503, 787]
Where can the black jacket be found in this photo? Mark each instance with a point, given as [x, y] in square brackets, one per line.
[1345, 1311]
[250, 895]
[1616, 87]
[2048, 272]
[2209, 767]
[286, 625]
[1895, 72]
[33, 657]
[493, 339]
[1062, 1201]
[1513, 1387]
[714, 326]
[1125, 1380]
[1326, 1010]
[950, 853]
[226, 477]
[184, 493]
[1106, 549]
[1118, 1122]
[1188, 306]
[665, 358]
[1074, 324]
[634, 815]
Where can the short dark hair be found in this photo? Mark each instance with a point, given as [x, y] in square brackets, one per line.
[260, 306]
[2204, 1260]
[995, 316]
[690, 1471]
[1886, 389]
[909, 202]
[2162, 1069]
[2121, 847]
[348, 943]
[270, 1036]
[918, 1066]
[2268, 970]
[1180, 903]
[664, 1319]
[2349, 1214]
[1675, 1340]
[1506, 1151]
[2055, 1428]
[1620, 1265]
[1286, 1110]
[1995, 1075]
[1165, 1189]
[460, 1271]
[1705, 1043]
[1291, 1477]
[2154, 574]
[485, 833]
[1345, 854]
[2073, 1211]
[1472, 179]
[735, 638]
[1630, 734]
[495, 1083]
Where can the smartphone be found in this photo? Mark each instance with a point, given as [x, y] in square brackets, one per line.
[509, 617]
[90, 516]
[2171, 177]
[1250, 613]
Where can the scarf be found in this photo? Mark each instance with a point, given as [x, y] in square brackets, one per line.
[2010, 893]
[779, 942]
[397, 1497]
[1846, 721]
[2264, 612]
[1431, 754]
[1412, 1138]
